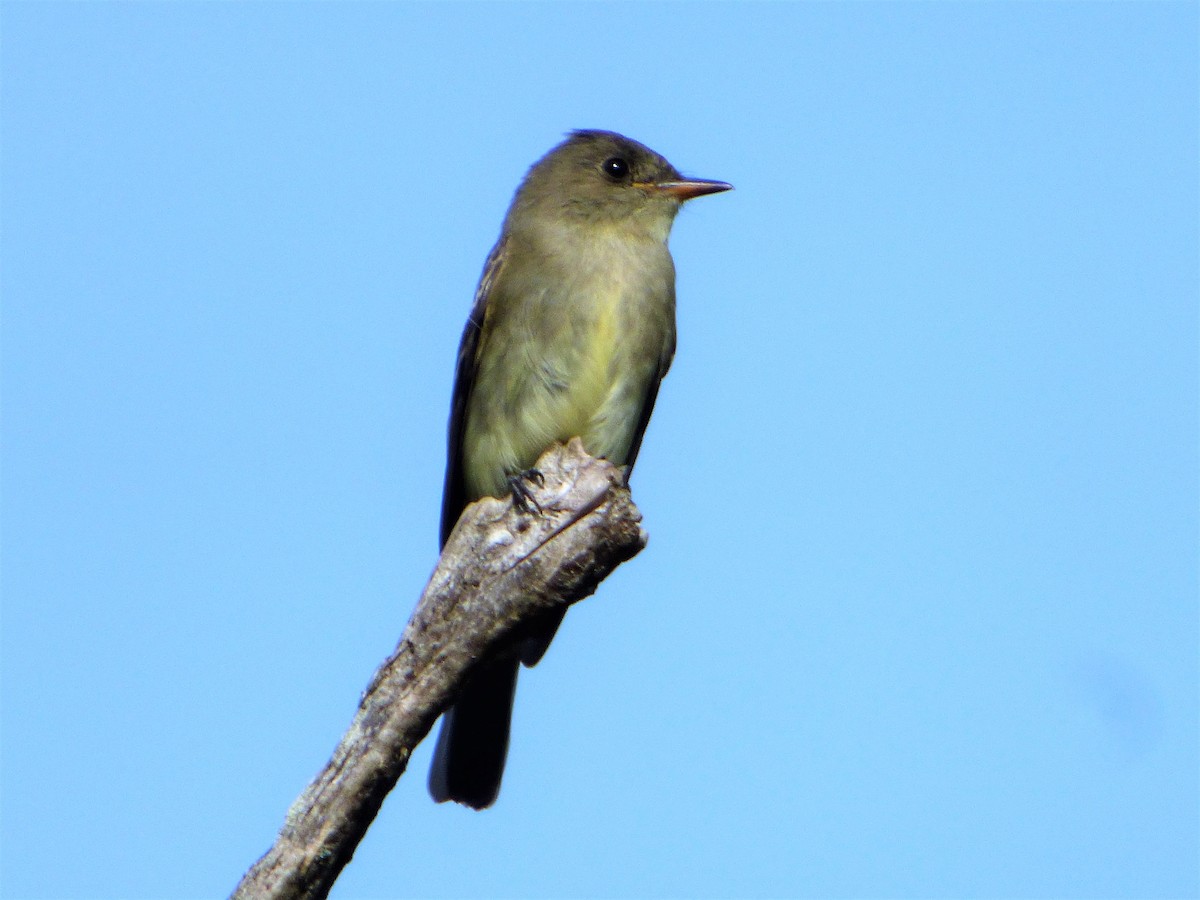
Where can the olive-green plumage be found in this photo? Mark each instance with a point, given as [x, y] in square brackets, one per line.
[572, 330]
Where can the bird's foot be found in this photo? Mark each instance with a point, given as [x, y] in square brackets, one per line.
[523, 498]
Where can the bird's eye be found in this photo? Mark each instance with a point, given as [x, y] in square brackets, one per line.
[615, 168]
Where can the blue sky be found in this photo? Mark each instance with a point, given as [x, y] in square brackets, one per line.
[918, 617]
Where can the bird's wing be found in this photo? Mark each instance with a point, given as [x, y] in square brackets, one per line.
[454, 495]
[648, 404]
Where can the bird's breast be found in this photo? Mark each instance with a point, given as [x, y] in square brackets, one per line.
[574, 343]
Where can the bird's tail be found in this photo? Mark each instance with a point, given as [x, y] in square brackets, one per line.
[468, 762]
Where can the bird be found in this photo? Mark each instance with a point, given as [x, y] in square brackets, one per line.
[571, 331]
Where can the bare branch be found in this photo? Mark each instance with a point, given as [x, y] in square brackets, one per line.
[499, 569]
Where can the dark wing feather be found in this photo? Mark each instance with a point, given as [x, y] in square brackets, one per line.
[454, 495]
[648, 407]
[468, 761]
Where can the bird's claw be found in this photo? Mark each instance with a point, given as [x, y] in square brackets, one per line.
[523, 498]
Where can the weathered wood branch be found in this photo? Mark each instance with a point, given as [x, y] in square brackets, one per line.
[499, 570]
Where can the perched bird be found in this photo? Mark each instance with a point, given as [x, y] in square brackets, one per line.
[572, 329]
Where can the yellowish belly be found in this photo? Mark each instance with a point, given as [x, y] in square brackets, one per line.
[591, 387]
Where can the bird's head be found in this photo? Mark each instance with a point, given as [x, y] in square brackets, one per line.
[606, 179]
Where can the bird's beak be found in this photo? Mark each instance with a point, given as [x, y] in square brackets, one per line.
[686, 190]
